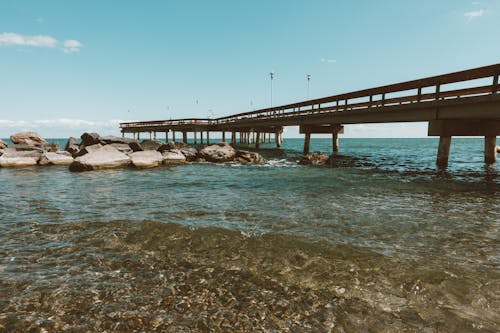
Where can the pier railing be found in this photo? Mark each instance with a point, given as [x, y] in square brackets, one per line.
[431, 89]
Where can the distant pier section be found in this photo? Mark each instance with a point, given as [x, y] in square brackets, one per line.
[465, 103]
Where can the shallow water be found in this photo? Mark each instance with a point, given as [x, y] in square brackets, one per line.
[380, 242]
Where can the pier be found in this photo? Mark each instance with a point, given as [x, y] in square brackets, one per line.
[465, 103]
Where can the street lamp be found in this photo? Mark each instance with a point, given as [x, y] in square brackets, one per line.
[308, 76]
[272, 78]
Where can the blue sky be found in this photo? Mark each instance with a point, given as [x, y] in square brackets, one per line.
[71, 66]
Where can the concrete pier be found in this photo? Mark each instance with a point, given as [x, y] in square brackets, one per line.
[490, 149]
[443, 151]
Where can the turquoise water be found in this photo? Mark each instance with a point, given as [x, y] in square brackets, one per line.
[382, 241]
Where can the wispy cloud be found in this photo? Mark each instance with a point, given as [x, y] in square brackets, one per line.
[328, 61]
[40, 20]
[474, 14]
[15, 39]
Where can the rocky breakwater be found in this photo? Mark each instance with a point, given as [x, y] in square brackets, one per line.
[97, 153]
[30, 149]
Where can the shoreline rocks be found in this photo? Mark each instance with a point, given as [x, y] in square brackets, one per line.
[218, 153]
[316, 159]
[106, 157]
[59, 158]
[146, 159]
[28, 139]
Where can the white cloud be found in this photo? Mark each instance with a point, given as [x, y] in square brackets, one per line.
[11, 38]
[328, 61]
[15, 39]
[71, 46]
[474, 14]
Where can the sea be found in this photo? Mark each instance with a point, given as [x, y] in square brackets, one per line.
[380, 241]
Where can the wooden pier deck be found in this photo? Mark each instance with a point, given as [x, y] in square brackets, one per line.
[465, 103]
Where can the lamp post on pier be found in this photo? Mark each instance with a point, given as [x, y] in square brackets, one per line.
[308, 76]
[272, 79]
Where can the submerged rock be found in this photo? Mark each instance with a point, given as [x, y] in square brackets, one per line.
[72, 146]
[317, 159]
[146, 159]
[28, 139]
[172, 145]
[106, 157]
[244, 156]
[151, 144]
[58, 158]
[90, 139]
[3, 144]
[218, 153]
[173, 157]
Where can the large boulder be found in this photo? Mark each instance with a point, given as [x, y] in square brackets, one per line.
[151, 144]
[173, 156]
[88, 149]
[3, 144]
[124, 148]
[106, 157]
[317, 159]
[244, 156]
[20, 161]
[58, 158]
[135, 146]
[28, 139]
[109, 139]
[90, 139]
[172, 145]
[191, 154]
[23, 151]
[146, 159]
[218, 153]
[72, 146]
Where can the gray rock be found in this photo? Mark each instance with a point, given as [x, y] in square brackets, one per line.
[51, 158]
[88, 149]
[191, 154]
[146, 159]
[106, 157]
[72, 146]
[3, 144]
[151, 144]
[20, 161]
[135, 146]
[218, 153]
[172, 145]
[110, 139]
[317, 159]
[244, 156]
[90, 139]
[34, 152]
[122, 147]
[28, 139]
[173, 156]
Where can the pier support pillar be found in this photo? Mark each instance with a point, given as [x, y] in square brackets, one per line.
[184, 137]
[208, 137]
[194, 136]
[154, 135]
[233, 138]
[490, 149]
[257, 140]
[123, 135]
[138, 135]
[307, 141]
[201, 137]
[173, 136]
[277, 139]
[223, 136]
[166, 136]
[443, 151]
[335, 142]
[150, 136]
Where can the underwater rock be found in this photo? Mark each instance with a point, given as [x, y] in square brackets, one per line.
[244, 156]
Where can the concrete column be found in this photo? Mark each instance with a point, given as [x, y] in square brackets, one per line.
[241, 137]
[443, 151]
[277, 139]
[223, 136]
[201, 137]
[307, 141]
[490, 149]
[138, 135]
[150, 136]
[257, 140]
[194, 134]
[335, 141]
[208, 137]
[154, 135]
[166, 136]
[184, 137]
[173, 136]
[233, 137]
[123, 135]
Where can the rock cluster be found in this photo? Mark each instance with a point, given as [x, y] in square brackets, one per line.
[93, 152]
[316, 159]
